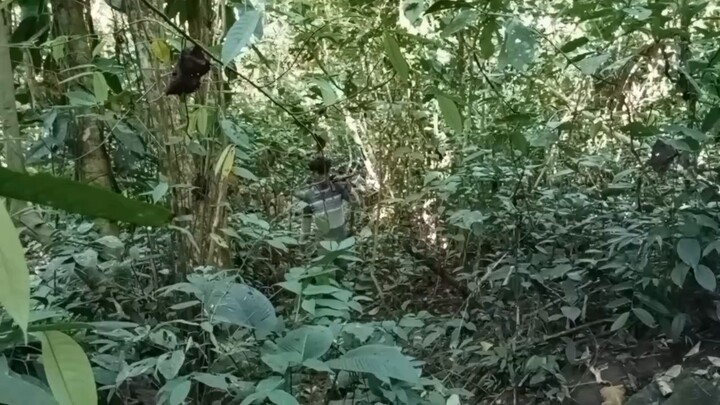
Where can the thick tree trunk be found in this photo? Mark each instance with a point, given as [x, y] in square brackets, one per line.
[14, 156]
[93, 162]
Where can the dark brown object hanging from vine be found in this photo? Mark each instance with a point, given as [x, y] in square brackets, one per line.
[191, 66]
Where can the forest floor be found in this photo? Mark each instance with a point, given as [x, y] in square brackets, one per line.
[610, 371]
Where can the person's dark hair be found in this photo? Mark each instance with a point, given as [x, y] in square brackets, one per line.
[320, 165]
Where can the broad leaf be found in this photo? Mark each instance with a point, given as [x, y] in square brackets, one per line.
[620, 321]
[100, 87]
[689, 251]
[711, 119]
[519, 49]
[170, 363]
[677, 327]
[79, 198]
[14, 275]
[238, 36]
[244, 173]
[219, 381]
[310, 342]
[462, 20]
[67, 369]
[574, 44]
[705, 277]
[487, 48]
[235, 133]
[384, 362]
[679, 273]
[396, 57]
[590, 65]
[280, 397]
[239, 304]
[15, 390]
[174, 392]
[644, 317]
[571, 313]
[450, 113]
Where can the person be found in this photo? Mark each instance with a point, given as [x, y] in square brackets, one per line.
[325, 200]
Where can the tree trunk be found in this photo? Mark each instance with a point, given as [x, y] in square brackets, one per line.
[92, 161]
[197, 191]
[14, 156]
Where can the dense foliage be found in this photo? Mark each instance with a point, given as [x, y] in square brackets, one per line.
[535, 202]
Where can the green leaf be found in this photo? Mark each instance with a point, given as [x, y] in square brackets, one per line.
[519, 142]
[238, 36]
[100, 87]
[711, 119]
[679, 273]
[14, 275]
[689, 251]
[620, 321]
[15, 390]
[462, 20]
[218, 381]
[280, 397]
[590, 65]
[159, 191]
[705, 277]
[677, 327]
[644, 317]
[81, 98]
[244, 173]
[450, 113]
[316, 365]
[239, 304]
[384, 362]
[327, 90]
[310, 342]
[67, 369]
[169, 364]
[127, 136]
[396, 57]
[574, 44]
[487, 48]
[174, 392]
[571, 313]
[79, 198]
[235, 133]
[519, 48]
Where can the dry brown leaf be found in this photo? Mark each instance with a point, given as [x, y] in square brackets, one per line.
[613, 395]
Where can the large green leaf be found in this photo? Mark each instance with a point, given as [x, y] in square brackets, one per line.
[450, 113]
[238, 36]
[280, 397]
[79, 198]
[67, 369]
[310, 342]
[689, 251]
[15, 390]
[384, 362]
[396, 57]
[14, 276]
[239, 304]
[705, 277]
[519, 47]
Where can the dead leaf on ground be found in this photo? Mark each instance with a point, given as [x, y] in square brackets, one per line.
[613, 395]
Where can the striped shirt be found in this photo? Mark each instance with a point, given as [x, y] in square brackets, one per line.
[325, 202]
